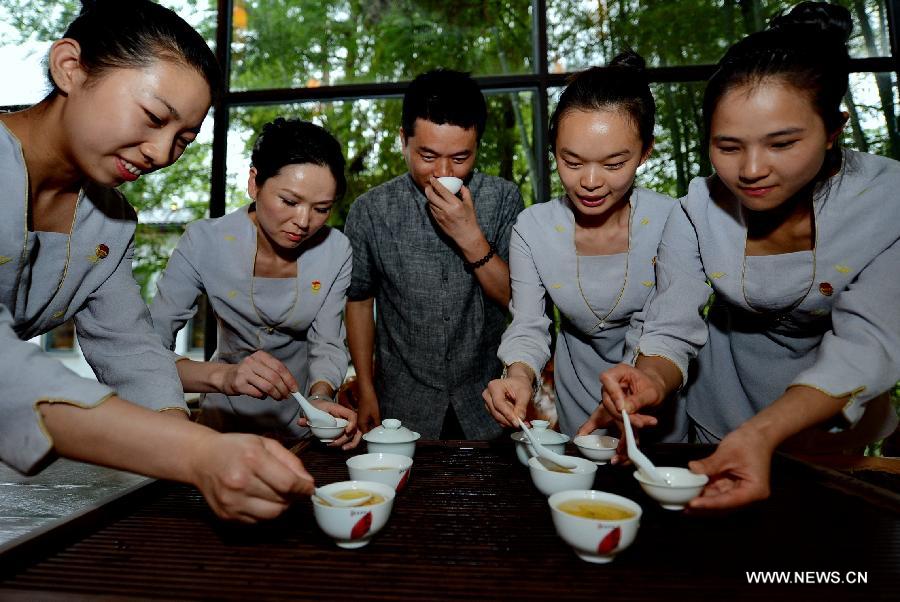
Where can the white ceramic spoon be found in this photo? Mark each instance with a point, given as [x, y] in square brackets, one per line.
[357, 501]
[558, 459]
[638, 457]
[315, 416]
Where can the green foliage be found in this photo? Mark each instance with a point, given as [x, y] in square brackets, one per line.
[297, 43]
[691, 32]
[31, 20]
[284, 43]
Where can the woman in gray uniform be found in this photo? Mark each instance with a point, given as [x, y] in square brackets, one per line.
[800, 242]
[276, 277]
[592, 251]
[131, 84]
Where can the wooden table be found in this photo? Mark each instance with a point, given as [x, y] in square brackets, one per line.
[470, 525]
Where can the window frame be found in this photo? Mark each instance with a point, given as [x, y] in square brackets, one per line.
[539, 82]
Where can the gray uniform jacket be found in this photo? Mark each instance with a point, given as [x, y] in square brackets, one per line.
[302, 327]
[436, 333]
[47, 278]
[601, 298]
[827, 318]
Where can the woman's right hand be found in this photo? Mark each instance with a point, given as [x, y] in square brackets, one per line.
[246, 477]
[507, 399]
[628, 388]
[259, 375]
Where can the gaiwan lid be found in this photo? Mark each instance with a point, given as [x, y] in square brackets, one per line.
[391, 431]
[544, 435]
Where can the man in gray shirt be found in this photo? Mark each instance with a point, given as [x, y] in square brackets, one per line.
[436, 264]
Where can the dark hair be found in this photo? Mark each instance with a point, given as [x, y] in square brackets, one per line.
[806, 48]
[295, 142]
[622, 85]
[444, 96]
[135, 33]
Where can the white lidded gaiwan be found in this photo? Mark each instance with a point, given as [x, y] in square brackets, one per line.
[552, 440]
[391, 438]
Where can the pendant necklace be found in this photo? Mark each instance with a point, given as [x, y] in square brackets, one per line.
[601, 320]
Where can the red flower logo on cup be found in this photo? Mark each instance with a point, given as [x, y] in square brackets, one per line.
[609, 541]
[362, 526]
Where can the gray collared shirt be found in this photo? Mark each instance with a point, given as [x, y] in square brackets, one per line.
[437, 333]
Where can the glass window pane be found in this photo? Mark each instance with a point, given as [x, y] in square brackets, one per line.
[166, 201]
[679, 153]
[307, 43]
[29, 27]
[369, 133]
[197, 325]
[61, 338]
[581, 34]
[873, 108]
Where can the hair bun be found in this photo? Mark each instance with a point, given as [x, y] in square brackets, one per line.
[816, 18]
[87, 5]
[629, 59]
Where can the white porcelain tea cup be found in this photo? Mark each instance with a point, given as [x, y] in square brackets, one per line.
[391, 469]
[353, 527]
[595, 539]
[550, 478]
[451, 183]
[681, 486]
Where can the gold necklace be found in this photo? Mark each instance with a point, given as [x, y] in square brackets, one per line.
[601, 324]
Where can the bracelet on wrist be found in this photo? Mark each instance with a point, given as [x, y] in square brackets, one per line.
[474, 265]
[535, 386]
[320, 397]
